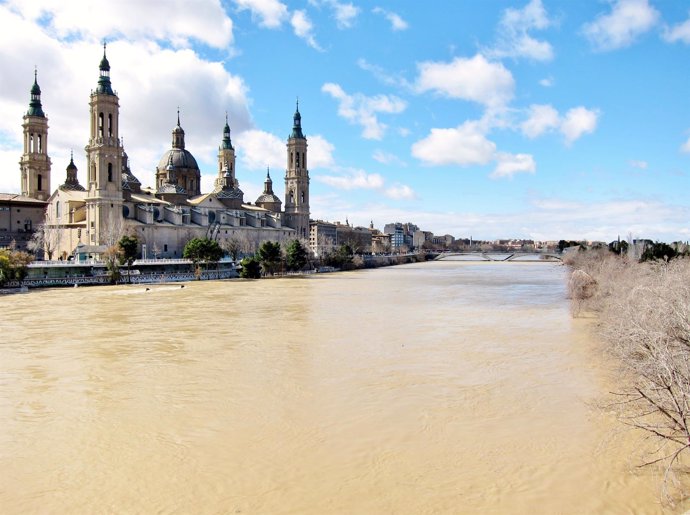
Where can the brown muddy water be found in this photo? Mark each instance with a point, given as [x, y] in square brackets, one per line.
[445, 387]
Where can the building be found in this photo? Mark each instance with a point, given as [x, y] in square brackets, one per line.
[113, 202]
[19, 217]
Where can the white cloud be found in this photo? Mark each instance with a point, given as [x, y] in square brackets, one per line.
[345, 14]
[508, 165]
[320, 152]
[257, 149]
[363, 110]
[475, 79]
[627, 20]
[387, 158]
[685, 147]
[396, 21]
[270, 13]
[635, 163]
[547, 82]
[400, 192]
[514, 39]
[464, 145]
[352, 179]
[545, 118]
[202, 20]
[542, 118]
[302, 26]
[578, 121]
[680, 32]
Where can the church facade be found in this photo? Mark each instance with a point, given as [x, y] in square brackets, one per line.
[91, 217]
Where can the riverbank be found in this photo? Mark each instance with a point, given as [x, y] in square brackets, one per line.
[642, 315]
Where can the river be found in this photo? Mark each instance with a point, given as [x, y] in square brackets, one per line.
[444, 387]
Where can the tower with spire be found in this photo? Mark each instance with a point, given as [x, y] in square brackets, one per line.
[297, 180]
[104, 162]
[226, 159]
[35, 163]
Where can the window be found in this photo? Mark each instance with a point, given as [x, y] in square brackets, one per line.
[58, 211]
[302, 198]
[110, 172]
[40, 144]
[31, 143]
[40, 182]
[165, 247]
[110, 125]
[297, 162]
[100, 125]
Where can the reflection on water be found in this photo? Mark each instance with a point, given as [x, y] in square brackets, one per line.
[447, 387]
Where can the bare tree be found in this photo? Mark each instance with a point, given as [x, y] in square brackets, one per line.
[643, 314]
[231, 246]
[47, 238]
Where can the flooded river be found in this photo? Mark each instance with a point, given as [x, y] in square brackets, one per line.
[444, 387]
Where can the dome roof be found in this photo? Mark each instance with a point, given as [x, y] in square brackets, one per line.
[181, 158]
[268, 197]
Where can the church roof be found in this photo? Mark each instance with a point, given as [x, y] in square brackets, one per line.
[181, 158]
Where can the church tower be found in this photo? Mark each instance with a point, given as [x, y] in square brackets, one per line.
[297, 180]
[35, 163]
[226, 158]
[104, 161]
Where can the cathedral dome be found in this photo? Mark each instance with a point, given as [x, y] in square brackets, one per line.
[181, 158]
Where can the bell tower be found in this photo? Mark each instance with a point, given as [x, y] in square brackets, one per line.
[297, 180]
[35, 163]
[226, 159]
[104, 160]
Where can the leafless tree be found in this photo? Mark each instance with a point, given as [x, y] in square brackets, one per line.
[643, 312]
[47, 238]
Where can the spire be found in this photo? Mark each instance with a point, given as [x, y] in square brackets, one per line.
[227, 142]
[178, 133]
[35, 108]
[104, 86]
[297, 124]
[268, 183]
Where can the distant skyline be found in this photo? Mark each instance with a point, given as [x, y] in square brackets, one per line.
[491, 119]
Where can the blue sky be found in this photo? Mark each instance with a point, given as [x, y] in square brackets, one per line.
[492, 119]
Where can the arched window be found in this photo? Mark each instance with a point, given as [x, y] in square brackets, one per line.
[302, 198]
[31, 143]
[292, 197]
[58, 210]
[292, 158]
[40, 144]
[40, 182]
[297, 162]
[110, 125]
[93, 173]
[100, 125]
[110, 172]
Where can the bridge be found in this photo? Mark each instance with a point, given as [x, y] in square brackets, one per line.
[499, 256]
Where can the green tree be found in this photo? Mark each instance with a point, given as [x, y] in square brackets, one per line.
[14, 265]
[202, 250]
[269, 257]
[658, 251]
[251, 268]
[295, 255]
[128, 252]
[112, 257]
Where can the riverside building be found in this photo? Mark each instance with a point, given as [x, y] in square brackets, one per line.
[93, 216]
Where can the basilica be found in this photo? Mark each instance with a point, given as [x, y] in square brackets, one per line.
[88, 218]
